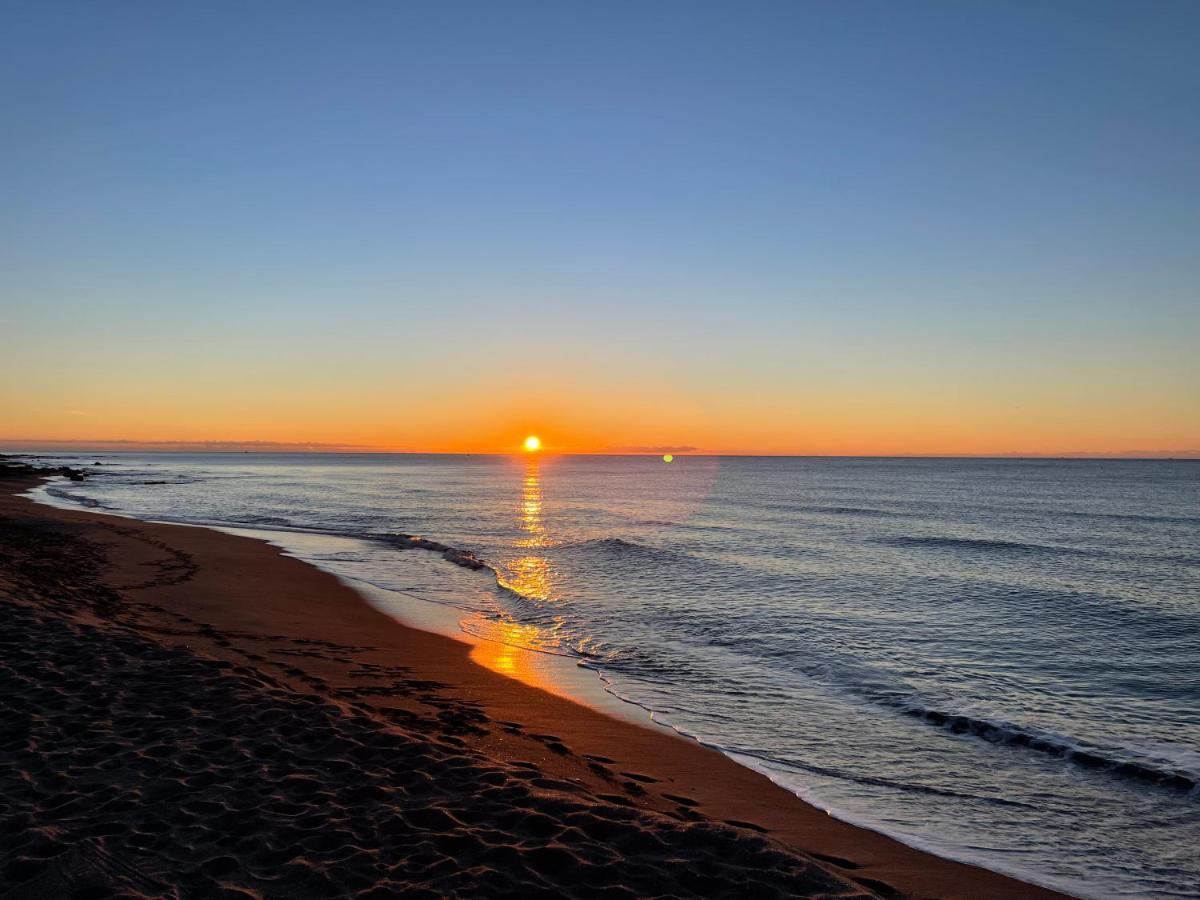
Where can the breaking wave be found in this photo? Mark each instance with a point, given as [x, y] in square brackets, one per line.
[1158, 772]
[81, 499]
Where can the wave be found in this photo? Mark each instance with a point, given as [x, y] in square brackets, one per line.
[750, 757]
[616, 546]
[470, 560]
[88, 502]
[1079, 752]
[276, 521]
[484, 630]
[182, 479]
[983, 545]
[876, 781]
[464, 558]
[1131, 517]
[851, 511]
[141, 477]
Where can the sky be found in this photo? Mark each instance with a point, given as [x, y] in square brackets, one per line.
[740, 227]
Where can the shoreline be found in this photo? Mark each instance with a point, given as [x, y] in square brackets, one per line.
[251, 603]
[559, 674]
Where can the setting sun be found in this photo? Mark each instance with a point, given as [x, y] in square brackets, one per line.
[533, 443]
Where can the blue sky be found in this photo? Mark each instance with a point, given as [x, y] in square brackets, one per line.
[867, 202]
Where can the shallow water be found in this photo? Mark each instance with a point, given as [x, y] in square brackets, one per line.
[998, 660]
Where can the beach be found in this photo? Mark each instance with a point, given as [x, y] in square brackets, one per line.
[190, 711]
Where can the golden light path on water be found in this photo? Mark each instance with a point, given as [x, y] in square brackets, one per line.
[529, 574]
[509, 647]
[503, 651]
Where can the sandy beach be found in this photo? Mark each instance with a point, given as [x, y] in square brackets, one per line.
[192, 713]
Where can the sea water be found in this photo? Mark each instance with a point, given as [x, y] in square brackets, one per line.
[996, 660]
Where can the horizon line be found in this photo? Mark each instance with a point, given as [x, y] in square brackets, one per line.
[21, 447]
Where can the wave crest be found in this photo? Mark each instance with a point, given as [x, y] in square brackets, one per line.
[982, 545]
[464, 558]
[1078, 752]
[88, 502]
[615, 546]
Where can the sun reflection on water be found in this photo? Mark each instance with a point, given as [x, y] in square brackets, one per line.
[530, 574]
[503, 650]
[505, 645]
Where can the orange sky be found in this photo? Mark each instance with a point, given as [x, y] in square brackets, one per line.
[625, 415]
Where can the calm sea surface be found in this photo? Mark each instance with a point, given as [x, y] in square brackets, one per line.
[998, 660]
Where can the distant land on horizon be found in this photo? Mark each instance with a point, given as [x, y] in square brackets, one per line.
[19, 446]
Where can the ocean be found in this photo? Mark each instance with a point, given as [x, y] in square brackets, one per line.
[995, 660]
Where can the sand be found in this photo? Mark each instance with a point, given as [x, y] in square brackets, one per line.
[191, 713]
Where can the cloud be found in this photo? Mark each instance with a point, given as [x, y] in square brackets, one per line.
[651, 449]
[1115, 454]
[185, 446]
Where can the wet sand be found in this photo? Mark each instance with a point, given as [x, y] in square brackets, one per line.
[191, 713]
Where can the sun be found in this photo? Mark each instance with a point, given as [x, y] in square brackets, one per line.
[533, 443]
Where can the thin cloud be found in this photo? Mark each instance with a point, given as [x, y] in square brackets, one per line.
[184, 446]
[651, 449]
[1115, 454]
